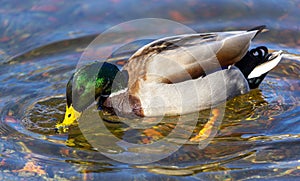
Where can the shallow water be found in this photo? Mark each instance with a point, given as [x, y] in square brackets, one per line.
[41, 43]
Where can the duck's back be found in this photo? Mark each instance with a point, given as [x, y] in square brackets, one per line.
[179, 58]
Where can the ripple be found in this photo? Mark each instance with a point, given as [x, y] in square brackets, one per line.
[42, 116]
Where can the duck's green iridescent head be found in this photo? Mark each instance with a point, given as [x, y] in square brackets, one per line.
[87, 85]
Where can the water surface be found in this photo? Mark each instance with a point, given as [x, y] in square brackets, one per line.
[41, 43]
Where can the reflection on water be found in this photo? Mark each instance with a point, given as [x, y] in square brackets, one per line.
[258, 137]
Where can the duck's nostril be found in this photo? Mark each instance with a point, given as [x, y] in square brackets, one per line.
[69, 115]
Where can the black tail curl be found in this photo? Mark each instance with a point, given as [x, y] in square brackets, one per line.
[253, 58]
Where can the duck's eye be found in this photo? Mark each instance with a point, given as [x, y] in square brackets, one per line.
[81, 89]
[69, 115]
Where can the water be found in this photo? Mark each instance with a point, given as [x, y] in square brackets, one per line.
[41, 43]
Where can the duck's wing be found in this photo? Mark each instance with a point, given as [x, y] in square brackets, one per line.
[184, 57]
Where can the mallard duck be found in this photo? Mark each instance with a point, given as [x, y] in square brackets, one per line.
[172, 76]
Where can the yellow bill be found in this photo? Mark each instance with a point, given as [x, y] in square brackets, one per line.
[71, 116]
